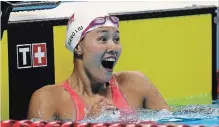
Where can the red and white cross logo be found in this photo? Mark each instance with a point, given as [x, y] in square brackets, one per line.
[39, 54]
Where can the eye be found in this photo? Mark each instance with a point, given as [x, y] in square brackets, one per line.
[102, 39]
[116, 39]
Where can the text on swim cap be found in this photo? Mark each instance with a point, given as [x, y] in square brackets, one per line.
[73, 34]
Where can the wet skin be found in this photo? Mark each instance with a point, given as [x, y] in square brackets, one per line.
[89, 79]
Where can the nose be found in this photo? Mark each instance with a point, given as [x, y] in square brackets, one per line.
[111, 46]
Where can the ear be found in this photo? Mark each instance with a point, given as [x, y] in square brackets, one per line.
[78, 49]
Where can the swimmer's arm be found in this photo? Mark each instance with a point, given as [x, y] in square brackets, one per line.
[153, 98]
[41, 106]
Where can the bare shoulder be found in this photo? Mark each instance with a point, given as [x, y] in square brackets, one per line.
[137, 82]
[134, 80]
[48, 91]
[47, 96]
[130, 77]
[43, 102]
[129, 73]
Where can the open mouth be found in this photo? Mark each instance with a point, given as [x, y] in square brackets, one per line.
[108, 63]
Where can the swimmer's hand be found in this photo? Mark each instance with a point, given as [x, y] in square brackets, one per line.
[100, 106]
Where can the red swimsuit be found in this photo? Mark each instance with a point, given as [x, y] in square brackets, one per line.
[118, 99]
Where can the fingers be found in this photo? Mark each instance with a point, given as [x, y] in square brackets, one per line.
[110, 107]
[94, 111]
[99, 100]
[101, 105]
[109, 102]
[104, 102]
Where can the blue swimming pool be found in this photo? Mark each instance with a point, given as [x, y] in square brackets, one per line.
[207, 115]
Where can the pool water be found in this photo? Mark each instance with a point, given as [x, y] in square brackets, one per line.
[207, 115]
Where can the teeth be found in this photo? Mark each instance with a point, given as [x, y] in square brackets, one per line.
[110, 59]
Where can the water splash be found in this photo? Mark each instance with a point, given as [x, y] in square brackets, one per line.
[197, 112]
[181, 114]
[207, 115]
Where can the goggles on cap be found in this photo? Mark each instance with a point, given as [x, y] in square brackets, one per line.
[100, 21]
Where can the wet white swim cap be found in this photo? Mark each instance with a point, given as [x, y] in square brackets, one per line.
[79, 22]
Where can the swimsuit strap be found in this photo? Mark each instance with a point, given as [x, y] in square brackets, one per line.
[80, 106]
[118, 98]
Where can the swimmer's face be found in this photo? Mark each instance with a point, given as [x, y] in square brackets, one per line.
[101, 49]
